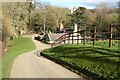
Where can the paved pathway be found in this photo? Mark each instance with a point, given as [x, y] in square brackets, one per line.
[28, 65]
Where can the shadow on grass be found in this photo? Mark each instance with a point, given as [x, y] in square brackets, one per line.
[85, 50]
[85, 73]
[93, 54]
[100, 55]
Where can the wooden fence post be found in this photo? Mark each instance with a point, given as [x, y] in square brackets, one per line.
[63, 40]
[72, 37]
[94, 40]
[77, 38]
[110, 39]
[69, 39]
[84, 37]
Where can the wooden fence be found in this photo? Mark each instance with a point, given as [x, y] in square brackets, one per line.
[74, 37]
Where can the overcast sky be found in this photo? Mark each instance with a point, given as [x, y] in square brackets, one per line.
[89, 4]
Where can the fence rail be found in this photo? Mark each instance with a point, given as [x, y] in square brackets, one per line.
[75, 37]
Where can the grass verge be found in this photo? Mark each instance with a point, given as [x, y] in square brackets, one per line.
[16, 47]
[95, 63]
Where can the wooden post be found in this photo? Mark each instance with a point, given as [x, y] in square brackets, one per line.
[94, 40]
[84, 37]
[110, 39]
[77, 38]
[63, 40]
[72, 37]
[69, 39]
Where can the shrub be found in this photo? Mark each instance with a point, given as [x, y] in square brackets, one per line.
[38, 38]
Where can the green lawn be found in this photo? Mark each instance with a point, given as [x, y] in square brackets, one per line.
[94, 63]
[16, 47]
[104, 44]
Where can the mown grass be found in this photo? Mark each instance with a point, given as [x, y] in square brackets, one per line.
[104, 44]
[95, 63]
[16, 47]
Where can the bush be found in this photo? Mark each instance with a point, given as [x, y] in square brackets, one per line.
[38, 38]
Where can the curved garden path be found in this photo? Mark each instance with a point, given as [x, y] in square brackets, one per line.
[29, 65]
